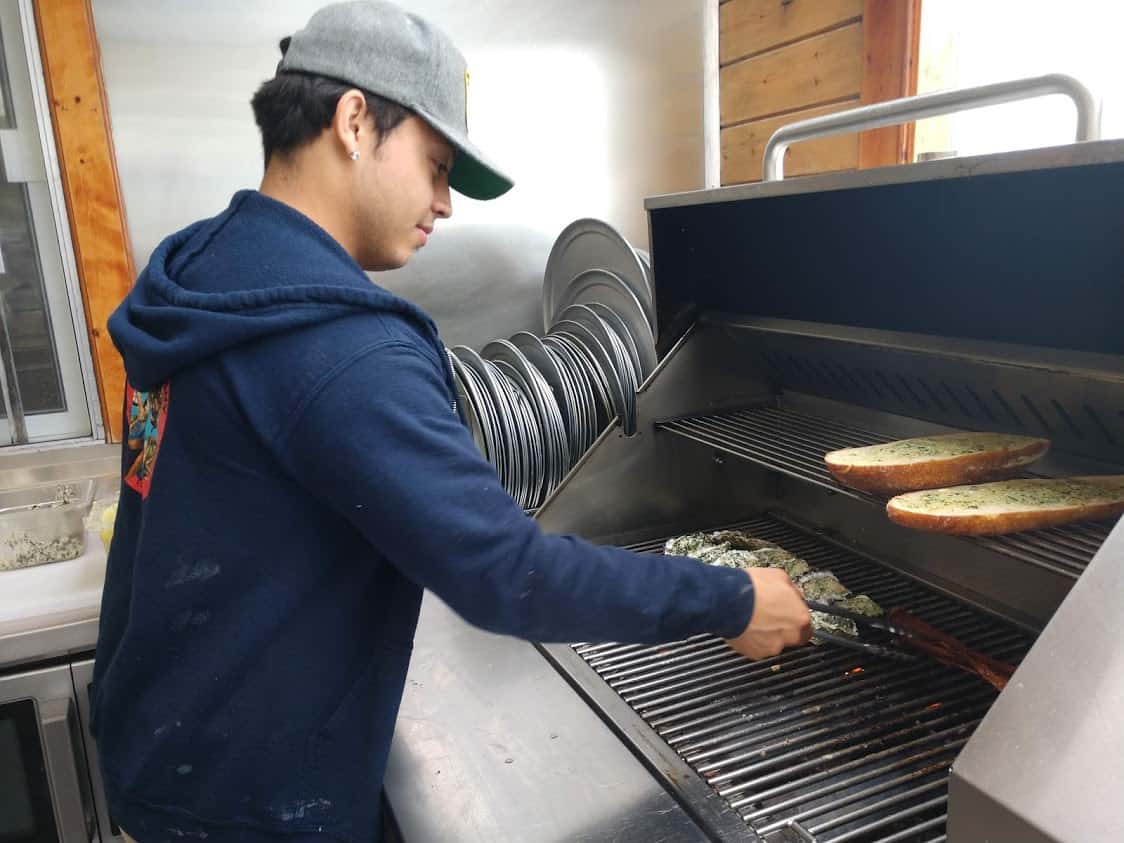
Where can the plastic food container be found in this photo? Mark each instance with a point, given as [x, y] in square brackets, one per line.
[106, 489]
[40, 524]
[103, 510]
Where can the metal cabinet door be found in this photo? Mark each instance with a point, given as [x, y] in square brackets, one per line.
[83, 672]
[46, 793]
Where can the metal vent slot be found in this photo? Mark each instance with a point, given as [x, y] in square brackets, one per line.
[795, 443]
[957, 395]
[889, 385]
[956, 400]
[917, 399]
[818, 744]
[1010, 411]
[980, 403]
[869, 380]
[1060, 410]
[1043, 424]
[1092, 414]
[933, 394]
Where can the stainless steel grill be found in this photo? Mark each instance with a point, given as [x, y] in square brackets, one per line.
[794, 443]
[800, 318]
[817, 744]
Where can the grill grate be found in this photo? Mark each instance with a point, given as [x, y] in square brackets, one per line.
[818, 744]
[795, 443]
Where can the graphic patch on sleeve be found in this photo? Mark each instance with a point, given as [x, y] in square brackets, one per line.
[147, 413]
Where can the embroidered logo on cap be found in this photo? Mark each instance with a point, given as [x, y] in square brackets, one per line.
[466, 78]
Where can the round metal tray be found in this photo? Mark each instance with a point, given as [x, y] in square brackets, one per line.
[607, 288]
[601, 357]
[588, 244]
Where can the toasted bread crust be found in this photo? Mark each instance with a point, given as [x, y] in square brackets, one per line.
[1009, 517]
[936, 473]
[999, 523]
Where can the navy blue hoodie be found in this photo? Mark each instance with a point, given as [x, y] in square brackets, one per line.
[295, 474]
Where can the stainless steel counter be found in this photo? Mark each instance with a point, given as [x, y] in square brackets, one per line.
[51, 610]
[493, 745]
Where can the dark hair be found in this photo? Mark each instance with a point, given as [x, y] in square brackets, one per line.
[292, 109]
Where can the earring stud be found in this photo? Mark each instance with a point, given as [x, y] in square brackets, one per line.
[354, 155]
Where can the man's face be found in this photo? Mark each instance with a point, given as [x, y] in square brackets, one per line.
[401, 191]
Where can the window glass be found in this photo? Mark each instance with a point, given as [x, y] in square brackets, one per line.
[966, 43]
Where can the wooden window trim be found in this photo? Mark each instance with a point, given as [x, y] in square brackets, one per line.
[80, 119]
[891, 36]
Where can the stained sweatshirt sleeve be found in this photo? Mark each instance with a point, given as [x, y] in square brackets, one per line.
[378, 440]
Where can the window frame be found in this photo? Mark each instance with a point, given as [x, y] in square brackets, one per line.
[31, 149]
[891, 48]
[91, 192]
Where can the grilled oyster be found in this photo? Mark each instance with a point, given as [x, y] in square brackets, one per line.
[736, 559]
[822, 586]
[766, 557]
[796, 568]
[777, 557]
[749, 552]
[737, 549]
[737, 540]
[692, 544]
[823, 622]
[710, 552]
[685, 545]
[860, 604]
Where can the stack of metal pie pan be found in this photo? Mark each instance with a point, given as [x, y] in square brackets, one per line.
[535, 405]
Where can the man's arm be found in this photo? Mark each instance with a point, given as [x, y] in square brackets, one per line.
[378, 441]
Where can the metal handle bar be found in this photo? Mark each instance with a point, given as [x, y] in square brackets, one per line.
[907, 109]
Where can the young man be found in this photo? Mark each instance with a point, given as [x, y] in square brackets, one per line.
[295, 473]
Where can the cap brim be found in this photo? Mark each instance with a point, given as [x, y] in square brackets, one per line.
[472, 174]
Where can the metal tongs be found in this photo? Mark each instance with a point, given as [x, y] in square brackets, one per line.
[863, 622]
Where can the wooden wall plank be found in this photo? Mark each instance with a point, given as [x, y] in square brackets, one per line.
[751, 26]
[79, 113]
[817, 71]
[892, 30]
[743, 148]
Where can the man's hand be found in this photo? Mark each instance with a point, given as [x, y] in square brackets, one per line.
[780, 616]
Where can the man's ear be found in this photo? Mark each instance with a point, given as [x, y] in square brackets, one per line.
[352, 123]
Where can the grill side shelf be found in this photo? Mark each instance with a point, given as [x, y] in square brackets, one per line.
[795, 443]
[815, 745]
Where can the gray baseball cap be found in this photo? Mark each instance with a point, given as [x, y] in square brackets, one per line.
[376, 46]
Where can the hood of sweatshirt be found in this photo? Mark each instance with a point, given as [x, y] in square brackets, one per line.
[183, 309]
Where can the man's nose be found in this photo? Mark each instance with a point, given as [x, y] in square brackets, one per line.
[443, 203]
